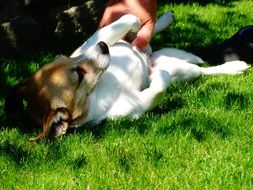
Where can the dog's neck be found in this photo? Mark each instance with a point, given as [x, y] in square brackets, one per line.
[101, 98]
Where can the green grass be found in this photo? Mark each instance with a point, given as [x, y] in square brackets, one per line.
[200, 137]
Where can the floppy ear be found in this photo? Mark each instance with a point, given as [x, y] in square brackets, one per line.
[14, 100]
[56, 120]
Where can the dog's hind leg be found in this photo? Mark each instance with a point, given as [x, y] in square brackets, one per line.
[163, 22]
[110, 34]
[178, 68]
[181, 70]
[230, 68]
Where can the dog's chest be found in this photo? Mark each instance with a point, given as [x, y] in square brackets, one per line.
[129, 66]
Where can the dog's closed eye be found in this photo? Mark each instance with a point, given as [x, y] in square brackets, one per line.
[80, 73]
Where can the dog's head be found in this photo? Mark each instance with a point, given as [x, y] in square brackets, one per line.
[57, 93]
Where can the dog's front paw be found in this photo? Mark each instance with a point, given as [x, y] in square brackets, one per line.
[132, 21]
[160, 80]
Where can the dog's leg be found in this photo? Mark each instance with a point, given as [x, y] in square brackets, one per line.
[170, 53]
[181, 70]
[230, 68]
[151, 96]
[111, 34]
[163, 22]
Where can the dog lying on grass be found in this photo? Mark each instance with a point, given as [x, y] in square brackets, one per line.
[106, 78]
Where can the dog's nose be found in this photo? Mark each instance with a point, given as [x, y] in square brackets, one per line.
[103, 48]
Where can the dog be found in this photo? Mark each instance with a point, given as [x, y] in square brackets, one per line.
[106, 78]
[237, 47]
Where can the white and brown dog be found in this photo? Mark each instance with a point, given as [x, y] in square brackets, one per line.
[106, 78]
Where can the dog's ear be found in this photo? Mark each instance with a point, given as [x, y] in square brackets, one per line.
[14, 100]
[55, 123]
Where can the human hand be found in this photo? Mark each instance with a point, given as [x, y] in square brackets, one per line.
[145, 10]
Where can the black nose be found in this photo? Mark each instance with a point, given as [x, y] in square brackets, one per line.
[103, 47]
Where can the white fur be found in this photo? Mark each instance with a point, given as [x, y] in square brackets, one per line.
[163, 22]
[135, 82]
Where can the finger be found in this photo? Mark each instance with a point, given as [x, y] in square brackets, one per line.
[105, 20]
[113, 11]
[144, 36]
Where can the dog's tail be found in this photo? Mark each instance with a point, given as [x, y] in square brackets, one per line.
[233, 67]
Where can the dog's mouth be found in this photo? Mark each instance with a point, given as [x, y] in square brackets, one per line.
[59, 128]
[55, 124]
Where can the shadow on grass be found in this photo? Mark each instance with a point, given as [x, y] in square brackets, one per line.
[14, 152]
[28, 154]
[236, 100]
[121, 125]
[13, 71]
[198, 125]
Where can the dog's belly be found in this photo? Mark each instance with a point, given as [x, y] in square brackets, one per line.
[115, 93]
